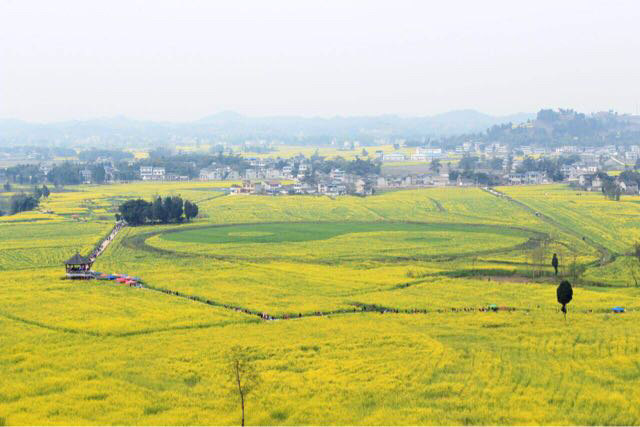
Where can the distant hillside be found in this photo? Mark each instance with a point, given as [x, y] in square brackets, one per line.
[235, 127]
[566, 126]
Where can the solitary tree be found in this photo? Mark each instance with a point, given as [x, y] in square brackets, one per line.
[435, 165]
[45, 191]
[635, 262]
[565, 295]
[243, 374]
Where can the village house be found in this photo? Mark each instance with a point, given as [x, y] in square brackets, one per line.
[44, 168]
[338, 175]
[176, 177]
[86, 175]
[232, 175]
[211, 174]
[110, 174]
[535, 177]
[150, 173]
[273, 173]
[250, 174]
[394, 157]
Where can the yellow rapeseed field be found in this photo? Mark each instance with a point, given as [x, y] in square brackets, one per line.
[364, 311]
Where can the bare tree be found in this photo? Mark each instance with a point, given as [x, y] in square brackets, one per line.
[634, 266]
[243, 374]
[538, 257]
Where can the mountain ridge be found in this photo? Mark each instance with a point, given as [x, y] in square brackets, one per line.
[230, 125]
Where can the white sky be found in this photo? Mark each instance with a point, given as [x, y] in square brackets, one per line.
[180, 60]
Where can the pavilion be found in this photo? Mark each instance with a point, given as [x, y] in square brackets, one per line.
[79, 267]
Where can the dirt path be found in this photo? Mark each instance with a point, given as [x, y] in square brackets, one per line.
[102, 246]
[606, 256]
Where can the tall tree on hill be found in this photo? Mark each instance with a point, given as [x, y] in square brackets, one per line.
[564, 293]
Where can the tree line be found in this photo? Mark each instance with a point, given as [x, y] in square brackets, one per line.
[167, 210]
[23, 202]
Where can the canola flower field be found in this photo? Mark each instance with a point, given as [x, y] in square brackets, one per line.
[380, 308]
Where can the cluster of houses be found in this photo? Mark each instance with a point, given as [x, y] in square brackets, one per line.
[616, 156]
[594, 183]
[152, 173]
[278, 187]
[259, 175]
[422, 154]
[268, 176]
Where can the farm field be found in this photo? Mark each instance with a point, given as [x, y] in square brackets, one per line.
[365, 311]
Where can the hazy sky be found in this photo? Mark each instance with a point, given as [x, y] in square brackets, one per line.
[180, 60]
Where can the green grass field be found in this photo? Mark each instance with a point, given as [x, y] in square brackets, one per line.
[379, 306]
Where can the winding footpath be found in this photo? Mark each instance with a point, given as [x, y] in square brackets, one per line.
[354, 306]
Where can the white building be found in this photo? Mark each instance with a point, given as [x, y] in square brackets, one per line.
[394, 157]
[211, 174]
[86, 175]
[150, 173]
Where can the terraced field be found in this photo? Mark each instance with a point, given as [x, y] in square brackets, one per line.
[364, 311]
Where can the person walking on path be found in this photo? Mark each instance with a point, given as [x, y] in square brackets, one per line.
[554, 263]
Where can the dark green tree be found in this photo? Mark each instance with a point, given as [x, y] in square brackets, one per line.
[22, 202]
[98, 174]
[45, 191]
[435, 166]
[135, 212]
[190, 210]
[158, 211]
[174, 207]
[496, 163]
[564, 293]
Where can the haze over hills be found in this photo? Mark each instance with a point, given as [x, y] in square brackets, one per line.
[233, 126]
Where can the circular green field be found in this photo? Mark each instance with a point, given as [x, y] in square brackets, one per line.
[340, 240]
[293, 232]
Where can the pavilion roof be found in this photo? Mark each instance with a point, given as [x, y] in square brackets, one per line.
[78, 259]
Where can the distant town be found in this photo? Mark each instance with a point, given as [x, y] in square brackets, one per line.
[600, 152]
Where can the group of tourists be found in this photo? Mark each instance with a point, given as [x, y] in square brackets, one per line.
[103, 245]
